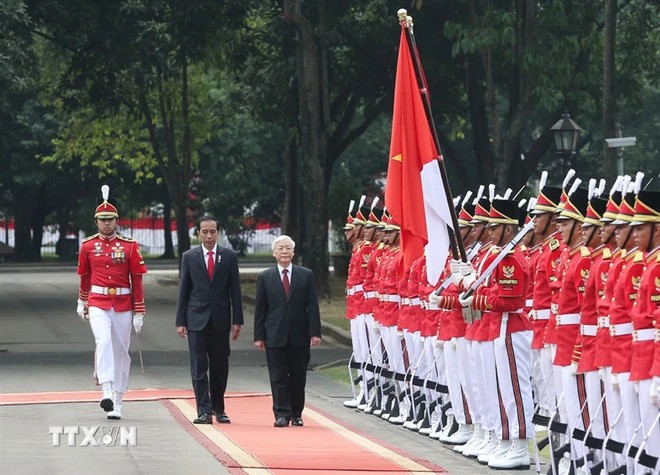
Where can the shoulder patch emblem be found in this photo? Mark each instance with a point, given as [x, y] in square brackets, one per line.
[657, 282]
[636, 281]
[508, 271]
[603, 277]
[584, 273]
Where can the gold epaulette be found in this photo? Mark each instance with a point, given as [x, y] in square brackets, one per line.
[607, 254]
[584, 251]
[657, 259]
[93, 236]
[495, 250]
[554, 244]
[522, 247]
[125, 238]
[639, 256]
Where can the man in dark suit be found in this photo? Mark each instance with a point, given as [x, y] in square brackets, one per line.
[208, 308]
[286, 323]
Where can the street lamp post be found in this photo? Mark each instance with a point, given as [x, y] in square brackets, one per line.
[566, 133]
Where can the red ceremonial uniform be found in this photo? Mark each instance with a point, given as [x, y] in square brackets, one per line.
[389, 298]
[655, 369]
[473, 331]
[608, 278]
[369, 287]
[415, 312]
[354, 296]
[584, 353]
[554, 285]
[625, 293]
[543, 274]
[644, 308]
[573, 270]
[108, 266]
[506, 293]
[378, 281]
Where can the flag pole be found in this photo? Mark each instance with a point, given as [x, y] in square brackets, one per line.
[457, 246]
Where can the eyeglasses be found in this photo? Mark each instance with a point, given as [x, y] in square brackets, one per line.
[284, 248]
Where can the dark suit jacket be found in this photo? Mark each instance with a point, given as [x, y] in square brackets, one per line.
[202, 298]
[278, 320]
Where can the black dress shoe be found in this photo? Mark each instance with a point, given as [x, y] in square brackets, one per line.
[221, 417]
[281, 422]
[297, 421]
[204, 419]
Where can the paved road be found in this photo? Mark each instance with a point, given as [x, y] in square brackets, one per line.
[45, 348]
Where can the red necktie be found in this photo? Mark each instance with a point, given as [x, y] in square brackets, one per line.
[285, 281]
[211, 265]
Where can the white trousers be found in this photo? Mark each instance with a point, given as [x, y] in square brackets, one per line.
[359, 338]
[450, 350]
[576, 406]
[467, 373]
[542, 381]
[491, 417]
[112, 332]
[649, 413]
[513, 360]
[393, 348]
[375, 340]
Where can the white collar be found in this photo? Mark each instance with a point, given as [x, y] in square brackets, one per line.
[280, 268]
[206, 251]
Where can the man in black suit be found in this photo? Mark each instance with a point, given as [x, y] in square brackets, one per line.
[208, 308]
[286, 323]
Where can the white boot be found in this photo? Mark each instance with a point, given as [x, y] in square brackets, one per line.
[461, 436]
[106, 400]
[440, 430]
[476, 436]
[355, 402]
[489, 444]
[503, 447]
[115, 414]
[516, 458]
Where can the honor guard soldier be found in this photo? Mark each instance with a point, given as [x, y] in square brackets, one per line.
[110, 297]
[646, 232]
[503, 296]
[621, 329]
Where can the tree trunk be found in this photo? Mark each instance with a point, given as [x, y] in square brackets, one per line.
[291, 210]
[609, 91]
[167, 224]
[314, 109]
[24, 206]
[479, 120]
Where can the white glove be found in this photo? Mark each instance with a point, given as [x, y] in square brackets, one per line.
[453, 342]
[439, 343]
[138, 321]
[455, 267]
[434, 298]
[468, 280]
[400, 335]
[376, 326]
[81, 310]
[615, 381]
[574, 368]
[466, 268]
[603, 374]
[654, 391]
[466, 302]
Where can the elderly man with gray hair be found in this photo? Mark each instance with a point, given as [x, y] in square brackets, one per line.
[286, 324]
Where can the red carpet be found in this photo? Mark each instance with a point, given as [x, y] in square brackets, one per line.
[251, 445]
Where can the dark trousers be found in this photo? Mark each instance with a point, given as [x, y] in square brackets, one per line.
[287, 368]
[209, 367]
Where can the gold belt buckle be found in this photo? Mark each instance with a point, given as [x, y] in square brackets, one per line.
[112, 291]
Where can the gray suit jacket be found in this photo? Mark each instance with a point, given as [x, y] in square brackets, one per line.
[278, 320]
[202, 298]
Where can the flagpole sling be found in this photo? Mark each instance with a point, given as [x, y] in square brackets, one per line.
[457, 246]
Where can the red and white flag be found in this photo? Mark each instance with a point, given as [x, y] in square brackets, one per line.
[414, 193]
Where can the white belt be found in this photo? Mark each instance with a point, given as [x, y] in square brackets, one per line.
[568, 319]
[405, 301]
[97, 289]
[389, 298]
[554, 308]
[415, 301]
[432, 306]
[604, 322]
[529, 302]
[543, 314]
[354, 290]
[621, 329]
[370, 295]
[646, 334]
[588, 330]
